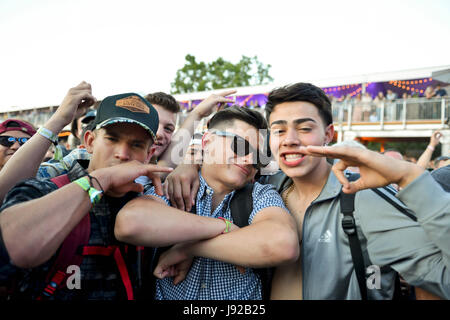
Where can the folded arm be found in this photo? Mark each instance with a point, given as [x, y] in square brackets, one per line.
[269, 241]
[148, 221]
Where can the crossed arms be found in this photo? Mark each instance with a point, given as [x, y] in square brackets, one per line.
[148, 222]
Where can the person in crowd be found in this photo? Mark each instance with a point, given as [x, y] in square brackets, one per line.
[230, 161]
[441, 161]
[70, 221]
[28, 158]
[378, 103]
[393, 153]
[76, 127]
[194, 152]
[429, 92]
[391, 106]
[171, 154]
[367, 106]
[357, 109]
[50, 154]
[411, 159]
[440, 92]
[416, 246]
[442, 176]
[390, 95]
[14, 133]
[426, 156]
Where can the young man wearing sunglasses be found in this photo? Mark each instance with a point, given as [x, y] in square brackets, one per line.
[13, 134]
[301, 125]
[222, 255]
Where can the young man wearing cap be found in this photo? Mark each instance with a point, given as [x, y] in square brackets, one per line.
[231, 159]
[13, 134]
[37, 216]
[415, 244]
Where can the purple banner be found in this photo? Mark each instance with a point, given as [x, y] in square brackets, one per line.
[415, 87]
[252, 100]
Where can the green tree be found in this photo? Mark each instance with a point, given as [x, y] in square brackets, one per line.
[201, 76]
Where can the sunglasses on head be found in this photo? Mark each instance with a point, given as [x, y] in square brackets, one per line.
[8, 141]
[241, 147]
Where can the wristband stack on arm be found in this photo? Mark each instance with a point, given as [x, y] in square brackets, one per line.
[86, 184]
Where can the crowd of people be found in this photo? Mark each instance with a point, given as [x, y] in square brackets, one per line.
[253, 207]
[367, 108]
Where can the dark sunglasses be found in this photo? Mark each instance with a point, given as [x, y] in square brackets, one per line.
[8, 141]
[241, 147]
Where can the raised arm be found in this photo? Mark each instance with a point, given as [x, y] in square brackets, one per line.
[425, 158]
[25, 162]
[180, 140]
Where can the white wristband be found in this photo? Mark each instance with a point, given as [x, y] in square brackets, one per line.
[48, 134]
[430, 147]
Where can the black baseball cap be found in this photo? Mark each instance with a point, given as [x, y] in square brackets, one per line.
[128, 107]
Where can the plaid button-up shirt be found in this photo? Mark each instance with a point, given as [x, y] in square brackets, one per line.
[211, 279]
[100, 278]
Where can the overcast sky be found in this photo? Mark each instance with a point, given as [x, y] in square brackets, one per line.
[121, 46]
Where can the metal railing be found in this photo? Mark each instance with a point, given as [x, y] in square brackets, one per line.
[400, 110]
[350, 112]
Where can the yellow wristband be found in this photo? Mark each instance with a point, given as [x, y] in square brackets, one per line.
[94, 194]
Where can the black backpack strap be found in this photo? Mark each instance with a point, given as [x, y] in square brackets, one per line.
[347, 202]
[403, 210]
[241, 207]
[349, 226]
[279, 180]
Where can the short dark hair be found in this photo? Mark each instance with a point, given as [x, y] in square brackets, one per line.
[301, 92]
[439, 159]
[164, 100]
[253, 118]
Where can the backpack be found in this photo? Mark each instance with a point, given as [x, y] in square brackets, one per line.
[241, 207]
[74, 248]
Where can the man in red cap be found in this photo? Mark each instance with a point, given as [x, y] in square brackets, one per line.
[13, 134]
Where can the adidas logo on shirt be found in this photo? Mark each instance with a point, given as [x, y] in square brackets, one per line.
[326, 237]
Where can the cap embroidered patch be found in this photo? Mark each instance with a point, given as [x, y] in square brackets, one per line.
[133, 104]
